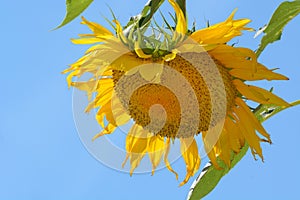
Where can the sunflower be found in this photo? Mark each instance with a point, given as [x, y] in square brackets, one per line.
[187, 84]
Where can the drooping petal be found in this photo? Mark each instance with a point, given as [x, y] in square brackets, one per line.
[236, 138]
[260, 74]
[189, 151]
[136, 145]
[248, 130]
[102, 86]
[156, 149]
[253, 119]
[101, 99]
[258, 94]
[167, 150]
[105, 110]
[119, 113]
[224, 147]
[210, 150]
[114, 113]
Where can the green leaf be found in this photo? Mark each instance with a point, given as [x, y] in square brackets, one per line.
[74, 8]
[283, 14]
[210, 176]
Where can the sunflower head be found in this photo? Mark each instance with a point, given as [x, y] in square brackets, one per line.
[174, 85]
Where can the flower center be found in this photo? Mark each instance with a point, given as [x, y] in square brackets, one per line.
[140, 98]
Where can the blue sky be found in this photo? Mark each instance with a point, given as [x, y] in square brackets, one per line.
[41, 154]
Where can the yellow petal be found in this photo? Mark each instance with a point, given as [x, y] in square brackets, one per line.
[105, 84]
[248, 131]
[119, 113]
[88, 86]
[136, 145]
[181, 26]
[70, 77]
[105, 110]
[85, 86]
[222, 32]
[171, 55]
[209, 148]
[236, 139]
[189, 151]
[113, 116]
[97, 47]
[139, 51]
[253, 119]
[235, 57]
[86, 40]
[107, 130]
[156, 148]
[224, 146]
[100, 34]
[120, 32]
[102, 98]
[77, 64]
[99, 30]
[260, 74]
[258, 94]
[127, 62]
[167, 150]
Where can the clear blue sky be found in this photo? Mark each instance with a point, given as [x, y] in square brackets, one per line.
[41, 154]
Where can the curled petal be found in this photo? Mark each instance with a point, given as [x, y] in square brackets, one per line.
[189, 151]
[181, 26]
[140, 52]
